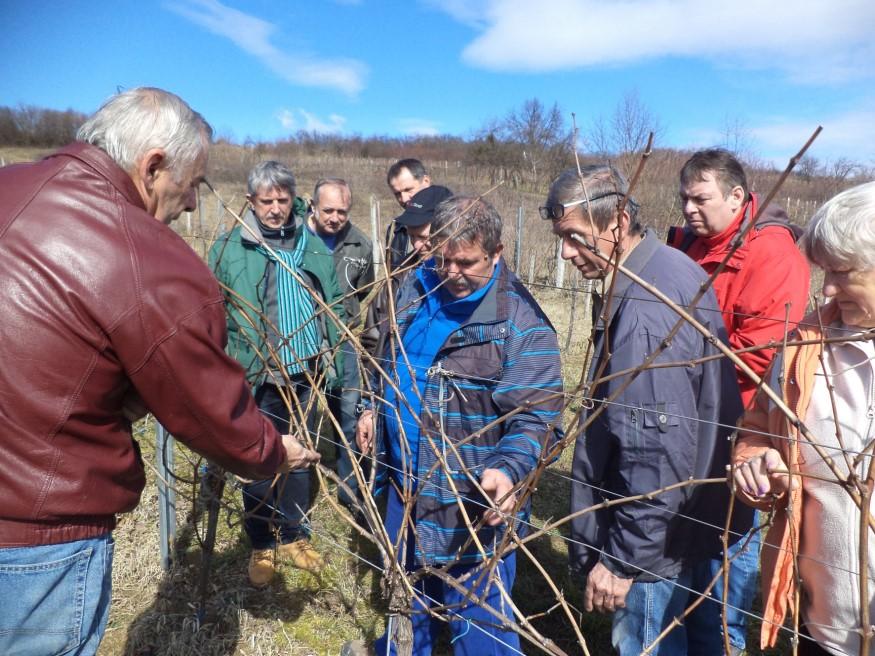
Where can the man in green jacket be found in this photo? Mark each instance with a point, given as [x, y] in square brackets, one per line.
[275, 273]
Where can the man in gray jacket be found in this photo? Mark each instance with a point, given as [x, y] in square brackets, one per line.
[353, 256]
[647, 430]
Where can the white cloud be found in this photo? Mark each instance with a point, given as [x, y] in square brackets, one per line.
[810, 40]
[468, 12]
[254, 35]
[300, 119]
[418, 127]
[850, 134]
[286, 117]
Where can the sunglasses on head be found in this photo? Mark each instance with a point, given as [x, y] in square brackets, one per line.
[557, 211]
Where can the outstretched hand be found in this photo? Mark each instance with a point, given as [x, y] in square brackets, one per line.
[297, 455]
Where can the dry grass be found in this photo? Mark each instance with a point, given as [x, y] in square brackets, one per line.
[154, 612]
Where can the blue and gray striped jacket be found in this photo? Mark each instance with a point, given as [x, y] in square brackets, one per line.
[503, 359]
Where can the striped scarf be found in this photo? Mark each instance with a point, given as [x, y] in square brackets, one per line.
[297, 323]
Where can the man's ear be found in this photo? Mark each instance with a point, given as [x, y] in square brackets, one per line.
[497, 253]
[737, 197]
[149, 165]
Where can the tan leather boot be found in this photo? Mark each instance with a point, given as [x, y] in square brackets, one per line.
[302, 555]
[261, 567]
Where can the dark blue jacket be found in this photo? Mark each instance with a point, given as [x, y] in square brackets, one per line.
[661, 429]
[504, 358]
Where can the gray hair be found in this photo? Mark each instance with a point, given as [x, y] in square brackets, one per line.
[467, 219]
[271, 174]
[132, 123]
[332, 182]
[605, 186]
[842, 231]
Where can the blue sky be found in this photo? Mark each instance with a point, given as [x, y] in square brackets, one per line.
[265, 69]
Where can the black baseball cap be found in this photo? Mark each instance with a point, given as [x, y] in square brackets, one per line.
[420, 208]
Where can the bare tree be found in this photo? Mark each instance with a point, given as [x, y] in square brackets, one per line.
[842, 168]
[539, 140]
[738, 139]
[625, 132]
[807, 168]
[28, 125]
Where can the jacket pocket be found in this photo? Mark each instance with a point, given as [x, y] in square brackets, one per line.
[652, 457]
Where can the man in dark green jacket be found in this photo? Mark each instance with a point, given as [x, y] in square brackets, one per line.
[353, 257]
[275, 273]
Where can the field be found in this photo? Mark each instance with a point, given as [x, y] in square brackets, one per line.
[155, 612]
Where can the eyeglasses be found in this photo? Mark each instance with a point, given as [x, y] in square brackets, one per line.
[557, 211]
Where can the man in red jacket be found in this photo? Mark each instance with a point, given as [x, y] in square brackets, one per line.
[762, 291]
[763, 288]
[106, 309]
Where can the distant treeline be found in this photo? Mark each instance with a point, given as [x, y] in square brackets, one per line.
[27, 125]
[523, 149]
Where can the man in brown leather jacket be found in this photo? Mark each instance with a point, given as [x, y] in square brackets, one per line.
[105, 309]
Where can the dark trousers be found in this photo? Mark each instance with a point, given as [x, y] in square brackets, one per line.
[279, 507]
[342, 403]
[808, 646]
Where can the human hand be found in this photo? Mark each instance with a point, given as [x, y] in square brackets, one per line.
[297, 455]
[605, 592]
[364, 431]
[764, 475]
[497, 486]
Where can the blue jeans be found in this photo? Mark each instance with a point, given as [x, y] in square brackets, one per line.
[650, 608]
[280, 507]
[705, 625]
[472, 628]
[653, 606]
[55, 597]
[742, 584]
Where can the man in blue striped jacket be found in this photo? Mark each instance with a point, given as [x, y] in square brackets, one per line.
[471, 407]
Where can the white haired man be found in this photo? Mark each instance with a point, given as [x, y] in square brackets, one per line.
[107, 312]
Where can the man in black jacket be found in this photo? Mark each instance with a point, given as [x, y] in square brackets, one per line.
[353, 255]
[647, 430]
[406, 178]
